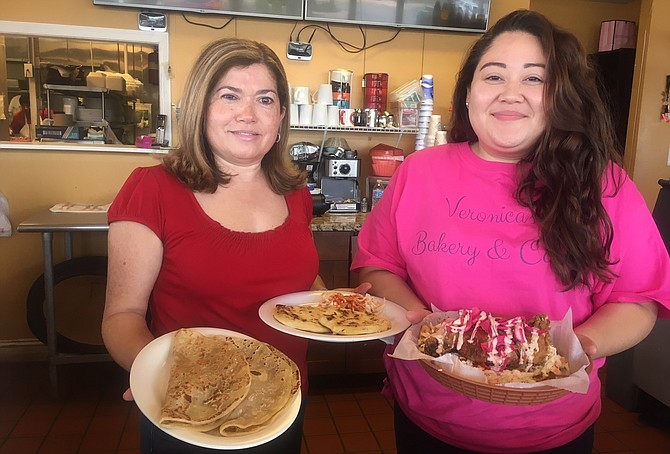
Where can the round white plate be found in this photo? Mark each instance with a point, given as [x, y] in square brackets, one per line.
[148, 382]
[396, 314]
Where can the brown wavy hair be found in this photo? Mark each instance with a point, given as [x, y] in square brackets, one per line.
[192, 162]
[560, 180]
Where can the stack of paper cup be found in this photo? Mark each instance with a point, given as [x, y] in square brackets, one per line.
[441, 138]
[433, 127]
[425, 112]
[427, 86]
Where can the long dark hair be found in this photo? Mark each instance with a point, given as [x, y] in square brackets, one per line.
[560, 180]
[193, 161]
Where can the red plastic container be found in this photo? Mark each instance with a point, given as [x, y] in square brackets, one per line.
[376, 88]
[385, 159]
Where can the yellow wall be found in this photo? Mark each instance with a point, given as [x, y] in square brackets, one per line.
[33, 181]
[583, 17]
[36, 180]
[648, 135]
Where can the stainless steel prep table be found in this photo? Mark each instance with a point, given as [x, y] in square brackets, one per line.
[48, 223]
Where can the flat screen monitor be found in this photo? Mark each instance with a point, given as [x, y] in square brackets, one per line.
[277, 9]
[455, 15]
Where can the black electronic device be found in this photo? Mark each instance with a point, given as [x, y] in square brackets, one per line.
[299, 51]
[281, 9]
[152, 21]
[451, 15]
[341, 193]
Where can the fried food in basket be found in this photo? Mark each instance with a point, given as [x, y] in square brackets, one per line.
[507, 350]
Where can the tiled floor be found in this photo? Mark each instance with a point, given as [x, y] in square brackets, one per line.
[347, 415]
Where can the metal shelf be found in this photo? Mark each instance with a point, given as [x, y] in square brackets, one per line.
[356, 129]
[76, 88]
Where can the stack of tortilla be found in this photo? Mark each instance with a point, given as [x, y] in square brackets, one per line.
[235, 385]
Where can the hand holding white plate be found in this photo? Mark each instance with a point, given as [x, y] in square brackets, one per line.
[148, 382]
[391, 311]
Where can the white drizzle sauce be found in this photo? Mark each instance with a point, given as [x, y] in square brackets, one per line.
[502, 335]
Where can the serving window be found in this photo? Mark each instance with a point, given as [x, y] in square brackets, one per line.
[103, 86]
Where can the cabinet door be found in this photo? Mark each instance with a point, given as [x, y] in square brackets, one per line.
[353, 275]
[333, 249]
[325, 358]
[365, 357]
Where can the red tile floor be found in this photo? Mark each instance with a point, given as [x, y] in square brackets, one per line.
[345, 415]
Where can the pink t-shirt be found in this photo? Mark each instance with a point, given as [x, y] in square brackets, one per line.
[449, 225]
[212, 276]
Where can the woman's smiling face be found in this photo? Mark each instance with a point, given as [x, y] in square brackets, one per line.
[244, 116]
[506, 98]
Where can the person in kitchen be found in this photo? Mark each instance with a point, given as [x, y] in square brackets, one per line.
[524, 212]
[221, 226]
[20, 124]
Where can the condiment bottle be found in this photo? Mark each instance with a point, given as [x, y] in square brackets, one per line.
[161, 122]
[377, 192]
[364, 205]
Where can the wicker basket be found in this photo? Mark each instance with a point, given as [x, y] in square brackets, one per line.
[492, 393]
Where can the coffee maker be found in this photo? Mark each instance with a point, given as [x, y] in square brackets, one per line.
[340, 184]
[306, 156]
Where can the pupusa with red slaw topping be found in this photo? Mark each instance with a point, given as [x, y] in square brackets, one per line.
[506, 349]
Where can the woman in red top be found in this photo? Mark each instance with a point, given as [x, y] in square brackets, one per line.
[220, 227]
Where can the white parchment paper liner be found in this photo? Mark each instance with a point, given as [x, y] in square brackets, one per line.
[562, 335]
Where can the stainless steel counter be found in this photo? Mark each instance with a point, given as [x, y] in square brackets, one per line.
[79, 147]
[48, 223]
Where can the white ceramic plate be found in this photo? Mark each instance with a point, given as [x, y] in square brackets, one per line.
[148, 382]
[393, 312]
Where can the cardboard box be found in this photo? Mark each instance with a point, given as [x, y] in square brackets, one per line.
[617, 34]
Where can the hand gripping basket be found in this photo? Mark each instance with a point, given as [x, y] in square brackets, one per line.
[492, 393]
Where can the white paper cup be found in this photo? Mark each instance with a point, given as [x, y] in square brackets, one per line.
[305, 114]
[319, 114]
[294, 114]
[333, 115]
[301, 95]
[324, 95]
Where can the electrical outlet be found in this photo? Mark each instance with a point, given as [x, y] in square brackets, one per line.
[299, 51]
[28, 70]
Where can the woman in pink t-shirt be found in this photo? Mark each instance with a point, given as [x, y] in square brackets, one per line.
[525, 212]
